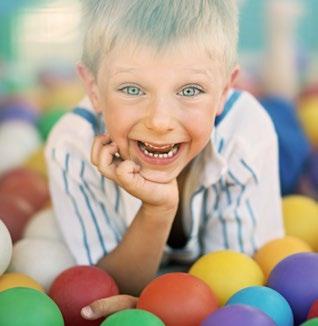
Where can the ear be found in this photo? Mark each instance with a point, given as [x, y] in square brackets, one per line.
[228, 85]
[90, 85]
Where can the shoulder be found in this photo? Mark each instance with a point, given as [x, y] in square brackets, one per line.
[247, 120]
[74, 132]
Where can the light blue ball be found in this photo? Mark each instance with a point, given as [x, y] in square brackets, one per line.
[266, 299]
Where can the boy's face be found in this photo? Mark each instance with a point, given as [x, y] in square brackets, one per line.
[160, 110]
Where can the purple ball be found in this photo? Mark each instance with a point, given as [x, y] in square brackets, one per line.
[19, 110]
[238, 315]
[313, 169]
[296, 279]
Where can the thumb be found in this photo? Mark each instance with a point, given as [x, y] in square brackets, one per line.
[107, 306]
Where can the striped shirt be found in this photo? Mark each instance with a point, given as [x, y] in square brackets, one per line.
[236, 206]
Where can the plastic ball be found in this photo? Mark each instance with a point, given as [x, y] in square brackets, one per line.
[227, 272]
[15, 213]
[79, 286]
[48, 120]
[178, 299]
[28, 307]
[43, 225]
[238, 314]
[276, 250]
[19, 110]
[26, 184]
[17, 141]
[301, 219]
[313, 311]
[267, 300]
[313, 169]
[296, 279]
[13, 280]
[310, 322]
[36, 162]
[5, 248]
[41, 259]
[132, 317]
[308, 114]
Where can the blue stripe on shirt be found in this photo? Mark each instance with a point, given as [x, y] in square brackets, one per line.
[79, 217]
[221, 218]
[250, 170]
[90, 209]
[237, 217]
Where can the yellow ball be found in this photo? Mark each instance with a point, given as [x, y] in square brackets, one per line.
[12, 280]
[308, 114]
[226, 272]
[276, 250]
[37, 162]
[301, 219]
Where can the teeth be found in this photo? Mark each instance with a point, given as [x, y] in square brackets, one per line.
[170, 154]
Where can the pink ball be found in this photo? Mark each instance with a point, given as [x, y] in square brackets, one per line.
[77, 287]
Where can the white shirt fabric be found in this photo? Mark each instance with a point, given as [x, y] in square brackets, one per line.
[236, 206]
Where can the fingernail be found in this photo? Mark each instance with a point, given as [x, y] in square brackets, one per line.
[87, 312]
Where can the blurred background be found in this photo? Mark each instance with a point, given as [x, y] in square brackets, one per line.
[40, 43]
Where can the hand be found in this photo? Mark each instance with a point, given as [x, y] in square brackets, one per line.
[127, 174]
[104, 307]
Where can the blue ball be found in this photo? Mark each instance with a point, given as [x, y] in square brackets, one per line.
[268, 300]
[296, 279]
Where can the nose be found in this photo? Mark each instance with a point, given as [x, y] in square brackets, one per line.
[159, 116]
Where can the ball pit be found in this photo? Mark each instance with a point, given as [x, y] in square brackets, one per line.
[77, 287]
[301, 219]
[28, 307]
[276, 250]
[178, 299]
[238, 314]
[132, 317]
[296, 278]
[267, 300]
[5, 248]
[226, 272]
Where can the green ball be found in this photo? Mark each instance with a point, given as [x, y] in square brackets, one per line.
[310, 322]
[132, 317]
[28, 307]
[48, 120]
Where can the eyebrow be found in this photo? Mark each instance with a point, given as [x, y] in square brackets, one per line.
[120, 70]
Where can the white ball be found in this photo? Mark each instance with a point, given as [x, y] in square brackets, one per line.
[41, 259]
[5, 248]
[18, 140]
[43, 225]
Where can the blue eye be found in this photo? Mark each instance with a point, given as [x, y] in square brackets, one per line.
[132, 90]
[190, 91]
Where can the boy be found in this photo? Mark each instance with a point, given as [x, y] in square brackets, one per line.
[163, 161]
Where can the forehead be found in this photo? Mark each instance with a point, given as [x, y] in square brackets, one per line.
[185, 56]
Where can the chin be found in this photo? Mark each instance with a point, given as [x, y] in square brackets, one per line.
[158, 176]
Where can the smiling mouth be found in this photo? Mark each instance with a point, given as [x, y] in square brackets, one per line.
[159, 151]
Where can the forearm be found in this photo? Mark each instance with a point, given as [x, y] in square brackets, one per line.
[135, 261]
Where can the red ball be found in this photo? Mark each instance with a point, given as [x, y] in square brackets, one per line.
[26, 184]
[15, 213]
[178, 299]
[313, 311]
[77, 287]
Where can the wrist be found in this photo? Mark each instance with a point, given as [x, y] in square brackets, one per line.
[159, 211]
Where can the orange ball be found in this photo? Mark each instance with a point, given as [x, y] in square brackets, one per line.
[276, 250]
[178, 299]
[13, 280]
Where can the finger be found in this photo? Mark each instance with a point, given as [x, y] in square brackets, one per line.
[106, 162]
[128, 175]
[99, 142]
[107, 306]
